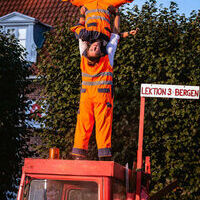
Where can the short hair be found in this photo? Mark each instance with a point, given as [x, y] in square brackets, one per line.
[92, 60]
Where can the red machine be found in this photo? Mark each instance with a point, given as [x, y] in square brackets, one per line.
[54, 179]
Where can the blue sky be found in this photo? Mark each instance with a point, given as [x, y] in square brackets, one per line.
[185, 6]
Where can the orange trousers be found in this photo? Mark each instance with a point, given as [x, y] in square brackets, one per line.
[89, 113]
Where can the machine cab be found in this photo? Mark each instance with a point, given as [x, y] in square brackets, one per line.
[46, 179]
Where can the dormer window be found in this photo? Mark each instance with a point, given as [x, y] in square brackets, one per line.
[20, 33]
[27, 30]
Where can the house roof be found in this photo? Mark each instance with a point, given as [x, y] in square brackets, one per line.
[46, 11]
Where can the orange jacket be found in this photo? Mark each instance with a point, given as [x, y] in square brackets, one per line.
[115, 3]
[97, 81]
[97, 17]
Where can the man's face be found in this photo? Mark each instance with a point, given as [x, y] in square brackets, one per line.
[94, 50]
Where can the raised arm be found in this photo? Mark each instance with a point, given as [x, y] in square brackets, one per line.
[82, 44]
[116, 27]
[82, 15]
[116, 23]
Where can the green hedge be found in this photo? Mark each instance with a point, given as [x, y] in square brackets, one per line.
[13, 106]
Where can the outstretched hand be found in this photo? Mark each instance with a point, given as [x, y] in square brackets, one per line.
[134, 32]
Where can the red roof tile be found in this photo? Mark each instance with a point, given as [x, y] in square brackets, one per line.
[46, 11]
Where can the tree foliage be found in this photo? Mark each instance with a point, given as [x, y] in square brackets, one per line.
[165, 51]
[13, 131]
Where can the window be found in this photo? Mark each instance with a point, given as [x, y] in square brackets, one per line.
[82, 194]
[20, 33]
[60, 189]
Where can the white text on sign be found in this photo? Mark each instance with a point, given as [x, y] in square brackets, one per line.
[169, 91]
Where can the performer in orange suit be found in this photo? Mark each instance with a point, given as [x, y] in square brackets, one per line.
[115, 3]
[97, 18]
[96, 102]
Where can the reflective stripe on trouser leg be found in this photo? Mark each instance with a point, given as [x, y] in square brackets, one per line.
[103, 116]
[79, 152]
[84, 127]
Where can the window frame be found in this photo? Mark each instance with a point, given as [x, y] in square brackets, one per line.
[16, 28]
[96, 180]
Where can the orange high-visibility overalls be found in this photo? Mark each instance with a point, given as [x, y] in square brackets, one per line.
[115, 3]
[97, 17]
[96, 106]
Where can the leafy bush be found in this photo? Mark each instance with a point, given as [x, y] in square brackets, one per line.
[13, 105]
